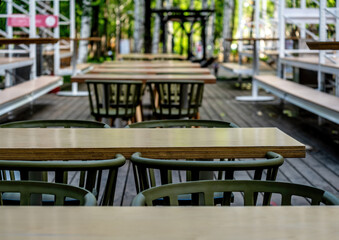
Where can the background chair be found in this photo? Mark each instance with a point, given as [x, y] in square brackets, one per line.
[91, 175]
[30, 190]
[182, 124]
[114, 99]
[150, 173]
[175, 100]
[249, 190]
[54, 124]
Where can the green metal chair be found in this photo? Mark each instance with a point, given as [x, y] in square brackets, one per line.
[182, 124]
[114, 99]
[54, 124]
[30, 190]
[204, 193]
[90, 174]
[175, 100]
[149, 173]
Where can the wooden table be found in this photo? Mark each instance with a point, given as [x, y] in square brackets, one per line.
[131, 65]
[151, 56]
[207, 78]
[168, 223]
[199, 143]
[151, 70]
[323, 45]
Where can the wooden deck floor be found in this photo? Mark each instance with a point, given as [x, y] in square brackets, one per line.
[320, 168]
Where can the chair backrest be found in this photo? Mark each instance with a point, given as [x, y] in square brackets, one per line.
[154, 172]
[30, 191]
[91, 175]
[182, 124]
[173, 100]
[54, 124]
[203, 193]
[114, 99]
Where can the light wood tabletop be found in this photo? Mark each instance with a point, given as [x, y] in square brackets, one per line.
[168, 223]
[207, 78]
[151, 70]
[197, 143]
[151, 64]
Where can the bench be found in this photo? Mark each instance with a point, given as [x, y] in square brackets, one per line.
[238, 69]
[320, 103]
[23, 93]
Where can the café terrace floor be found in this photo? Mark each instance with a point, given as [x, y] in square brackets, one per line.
[320, 168]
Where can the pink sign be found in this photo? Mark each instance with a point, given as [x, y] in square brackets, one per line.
[20, 20]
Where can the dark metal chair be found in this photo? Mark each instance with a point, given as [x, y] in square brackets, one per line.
[30, 191]
[204, 193]
[114, 99]
[176, 99]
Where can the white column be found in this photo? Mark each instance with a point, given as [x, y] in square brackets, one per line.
[72, 21]
[240, 25]
[32, 34]
[322, 37]
[281, 29]
[9, 30]
[56, 34]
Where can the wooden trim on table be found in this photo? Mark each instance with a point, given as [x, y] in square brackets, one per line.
[323, 45]
[28, 40]
[207, 78]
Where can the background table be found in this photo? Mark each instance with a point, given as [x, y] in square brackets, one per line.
[241, 223]
[323, 45]
[155, 64]
[207, 78]
[198, 143]
[191, 71]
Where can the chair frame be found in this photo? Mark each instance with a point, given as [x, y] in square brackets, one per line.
[206, 190]
[102, 108]
[54, 123]
[90, 173]
[187, 123]
[186, 97]
[60, 191]
[145, 178]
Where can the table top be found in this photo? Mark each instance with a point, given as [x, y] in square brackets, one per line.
[184, 143]
[323, 45]
[151, 70]
[167, 223]
[207, 78]
[7, 60]
[150, 64]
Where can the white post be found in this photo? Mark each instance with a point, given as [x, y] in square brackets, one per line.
[72, 21]
[256, 47]
[337, 39]
[56, 34]
[32, 34]
[9, 29]
[302, 25]
[322, 37]
[281, 29]
[240, 25]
